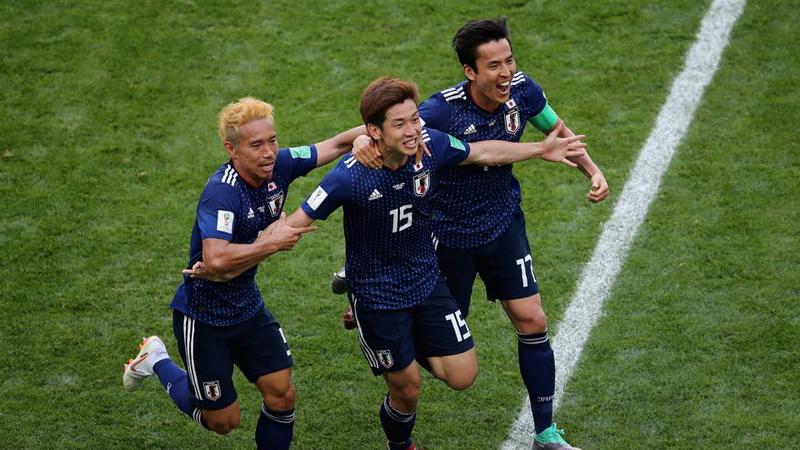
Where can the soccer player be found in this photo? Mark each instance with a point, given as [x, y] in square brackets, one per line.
[219, 318]
[481, 228]
[401, 306]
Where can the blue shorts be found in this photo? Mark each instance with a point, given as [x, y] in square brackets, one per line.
[390, 340]
[256, 346]
[505, 266]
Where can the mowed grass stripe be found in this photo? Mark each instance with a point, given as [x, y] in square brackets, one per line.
[631, 209]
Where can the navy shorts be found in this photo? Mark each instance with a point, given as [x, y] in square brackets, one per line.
[505, 266]
[390, 340]
[256, 346]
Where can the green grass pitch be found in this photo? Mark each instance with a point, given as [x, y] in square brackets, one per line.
[107, 135]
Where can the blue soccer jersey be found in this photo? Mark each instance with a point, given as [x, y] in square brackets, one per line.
[477, 203]
[391, 260]
[230, 209]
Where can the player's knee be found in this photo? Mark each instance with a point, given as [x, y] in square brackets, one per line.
[461, 380]
[281, 400]
[532, 321]
[223, 425]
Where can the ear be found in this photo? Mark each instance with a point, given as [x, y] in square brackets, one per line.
[469, 73]
[229, 148]
[374, 132]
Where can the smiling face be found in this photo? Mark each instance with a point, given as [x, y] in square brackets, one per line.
[490, 81]
[401, 131]
[255, 154]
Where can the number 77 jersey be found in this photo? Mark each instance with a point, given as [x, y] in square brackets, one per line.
[391, 259]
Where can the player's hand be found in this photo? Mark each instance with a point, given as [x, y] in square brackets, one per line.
[282, 235]
[366, 152]
[557, 149]
[198, 270]
[599, 190]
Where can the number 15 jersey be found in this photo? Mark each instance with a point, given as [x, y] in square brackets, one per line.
[391, 260]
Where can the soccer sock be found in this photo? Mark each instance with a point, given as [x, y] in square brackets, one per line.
[397, 425]
[538, 369]
[176, 383]
[274, 429]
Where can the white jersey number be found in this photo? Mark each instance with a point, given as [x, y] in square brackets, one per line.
[524, 269]
[401, 218]
[458, 323]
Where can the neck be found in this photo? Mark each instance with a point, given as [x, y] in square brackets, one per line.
[249, 180]
[392, 159]
[480, 100]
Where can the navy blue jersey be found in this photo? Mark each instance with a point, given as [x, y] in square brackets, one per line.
[391, 260]
[229, 209]
[478, 203]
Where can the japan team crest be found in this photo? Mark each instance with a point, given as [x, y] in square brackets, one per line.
[512, 121]
[275, 203]
[385, 358]
[212, 390]
[422, 183]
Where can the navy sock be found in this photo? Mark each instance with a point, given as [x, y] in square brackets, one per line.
[176, 383]
[274, 429]
[397, 425]
[538, 369]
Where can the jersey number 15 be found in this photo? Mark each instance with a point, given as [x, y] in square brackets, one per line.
[401, 218]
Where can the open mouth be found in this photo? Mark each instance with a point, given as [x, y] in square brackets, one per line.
[504, 88]
[411, 143]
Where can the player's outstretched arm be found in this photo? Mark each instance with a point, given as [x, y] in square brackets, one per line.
[223, 261]
[599, 186]
[330, 149]
[554, 149]
[299, 219]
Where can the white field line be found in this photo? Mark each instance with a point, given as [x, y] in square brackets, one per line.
[619, 232]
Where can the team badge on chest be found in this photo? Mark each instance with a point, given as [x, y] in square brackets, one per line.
[512, 121]
[422, 183]
[275, 203]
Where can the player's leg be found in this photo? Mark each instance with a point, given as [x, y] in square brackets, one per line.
[387, 341]
[459, 268]
[209, 369]
[260, 350]
[507, 269]
[443, 338]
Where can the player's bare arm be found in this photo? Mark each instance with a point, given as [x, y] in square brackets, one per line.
[554, 149]
[223, 261]
[599, 186]
[299, 219]
[330, 149]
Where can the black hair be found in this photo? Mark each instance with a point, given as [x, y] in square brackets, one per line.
[474, 34]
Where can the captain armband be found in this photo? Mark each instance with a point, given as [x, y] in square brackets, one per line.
[545, 120]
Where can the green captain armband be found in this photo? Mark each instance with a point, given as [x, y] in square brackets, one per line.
[545, 120]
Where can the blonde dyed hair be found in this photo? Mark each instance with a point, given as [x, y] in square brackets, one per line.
[237, 114]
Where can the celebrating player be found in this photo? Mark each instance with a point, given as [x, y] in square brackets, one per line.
[401, 306]
[481, 228]
[219, 318]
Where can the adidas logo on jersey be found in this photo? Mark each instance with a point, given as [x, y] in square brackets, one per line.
[375, 195]
[470, 129]
[250, 214]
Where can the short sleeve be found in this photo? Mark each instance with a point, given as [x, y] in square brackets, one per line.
[447, 150]
[216, 211]
[333, 191]
[435, 113]
[535, 100]
[299, 160]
